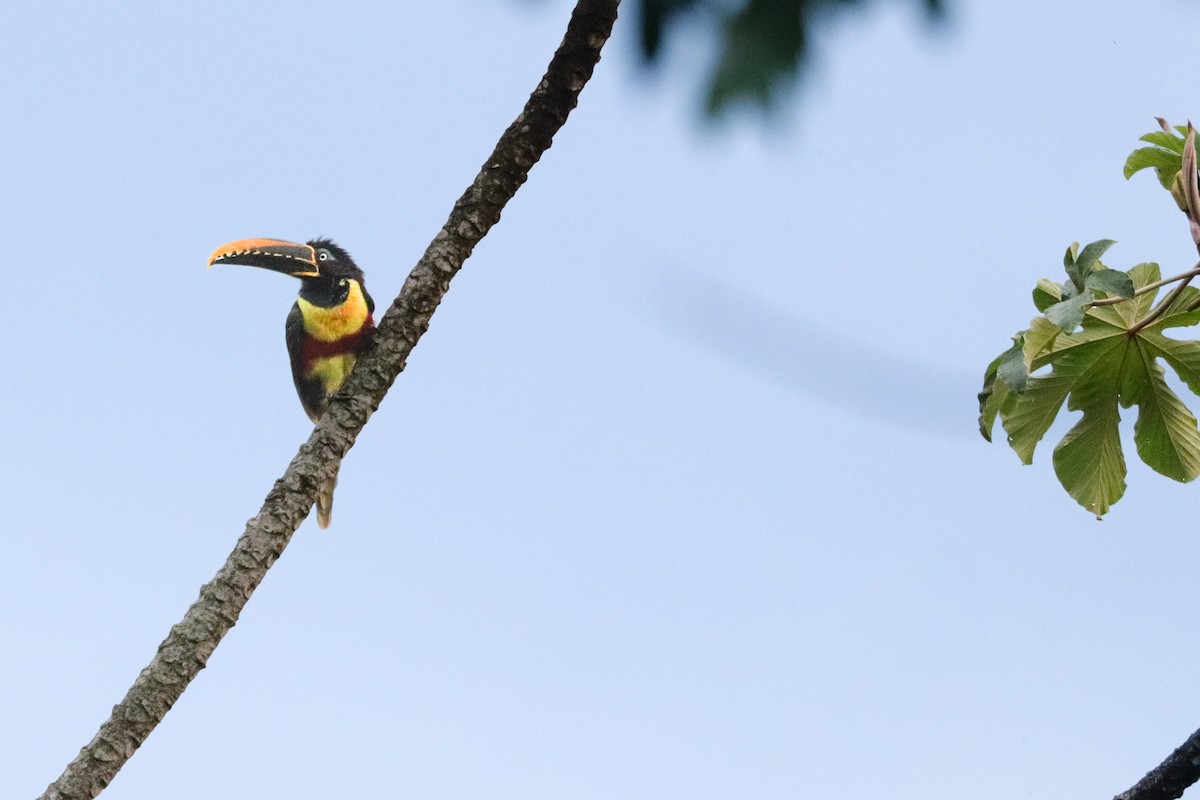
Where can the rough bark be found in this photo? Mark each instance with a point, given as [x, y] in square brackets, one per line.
[1171, 778]
[187, 647]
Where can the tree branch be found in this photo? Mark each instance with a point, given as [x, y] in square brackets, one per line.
[187, 647]
[1170, 779]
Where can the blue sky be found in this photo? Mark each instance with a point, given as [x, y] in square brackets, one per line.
[681, 496]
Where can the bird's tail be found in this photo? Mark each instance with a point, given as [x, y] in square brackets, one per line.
[325, 501]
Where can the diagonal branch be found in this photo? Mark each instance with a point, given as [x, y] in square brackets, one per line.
[187, 647]
[1170, 779]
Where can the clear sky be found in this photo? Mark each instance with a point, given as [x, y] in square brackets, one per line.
[680, 497]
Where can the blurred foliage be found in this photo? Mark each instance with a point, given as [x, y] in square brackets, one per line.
[764, 44]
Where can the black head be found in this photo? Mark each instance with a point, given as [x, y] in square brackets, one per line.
[336, 269]
[332, 261]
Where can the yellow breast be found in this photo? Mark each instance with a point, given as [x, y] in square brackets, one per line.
[331, 324]
[332, 371]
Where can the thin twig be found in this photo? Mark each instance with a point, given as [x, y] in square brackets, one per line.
[187, 647]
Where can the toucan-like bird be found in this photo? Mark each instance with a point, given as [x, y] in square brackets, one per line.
[328, 327]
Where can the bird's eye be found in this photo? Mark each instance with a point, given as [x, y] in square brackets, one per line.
[324, 255]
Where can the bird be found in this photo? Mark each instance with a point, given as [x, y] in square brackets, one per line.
[329, 326]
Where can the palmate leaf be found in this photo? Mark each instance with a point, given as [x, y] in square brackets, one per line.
[1105, 366]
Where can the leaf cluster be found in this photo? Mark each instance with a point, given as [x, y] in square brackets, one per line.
[1101, 358]
[1099, 345]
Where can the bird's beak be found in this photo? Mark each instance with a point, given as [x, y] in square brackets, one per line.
[297, 260]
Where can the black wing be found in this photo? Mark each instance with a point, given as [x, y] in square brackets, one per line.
[311, 390]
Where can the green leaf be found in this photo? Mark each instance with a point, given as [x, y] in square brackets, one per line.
[998, 395]
[1080, 264]
[1165, 163]
[996, 398]
[1069, 313]
[1012, 369]
[1070, 263]
[1110, 281]
[1044, 395]
[1178, 315]
[1126, 315]
[1165, 140]
[1110, 363]
[1038, 339]
[1090, 257]
[1184, 357]
[1165, 156]
[1046, 294]
[1166, 434]
[1072, 254]
[1088, 461]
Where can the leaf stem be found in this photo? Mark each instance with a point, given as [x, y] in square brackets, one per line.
[1150, 287]
[1166, 302]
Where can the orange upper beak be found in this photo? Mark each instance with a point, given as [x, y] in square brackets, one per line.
[290, 258]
